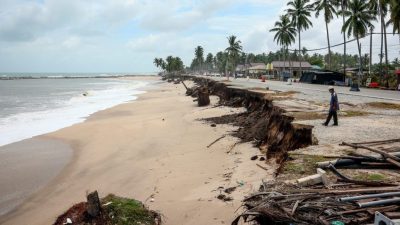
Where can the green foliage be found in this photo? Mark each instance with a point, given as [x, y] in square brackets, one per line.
[285, 31]
[233, 51]
[198, 61]
[174, 64]
[123, 211]
[359, 18]
[300, 12]
[395, 15]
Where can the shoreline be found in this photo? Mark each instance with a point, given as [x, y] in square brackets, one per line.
[36, 165]
[22, 125]
[160, 164]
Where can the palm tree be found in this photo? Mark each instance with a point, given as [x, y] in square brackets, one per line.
[209, 61]
[328, 9]
[300, 11]
[199, 56]
[343, 6]
[357, 24]
[285, 33]
[156, 62]
[159, 63]
[233, 50]
[381, 7]
[373, 6]
[395, 16]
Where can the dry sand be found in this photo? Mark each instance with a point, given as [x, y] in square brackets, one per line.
[154, 147]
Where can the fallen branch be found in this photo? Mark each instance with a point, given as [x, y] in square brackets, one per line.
[216, 140]
[348, 180]
[262, 167]
[184, 85]
[232, 147]
[377, 142]
[388, 157]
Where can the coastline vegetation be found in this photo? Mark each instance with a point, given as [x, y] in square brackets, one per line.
[358, 22]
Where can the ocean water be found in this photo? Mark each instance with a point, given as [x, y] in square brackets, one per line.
[30, 107]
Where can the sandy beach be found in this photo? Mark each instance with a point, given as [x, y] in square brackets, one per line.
[152, 148]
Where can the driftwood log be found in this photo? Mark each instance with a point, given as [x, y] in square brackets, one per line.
[94, 206]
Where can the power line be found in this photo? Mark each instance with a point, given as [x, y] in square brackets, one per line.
[332, 46]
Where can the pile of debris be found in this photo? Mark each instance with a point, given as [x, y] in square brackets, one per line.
[321, 199]
[111, 210]
[341, 204]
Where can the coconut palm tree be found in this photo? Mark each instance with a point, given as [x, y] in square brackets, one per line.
[374, 8]
[233, 50]
[327, 7]
[300, 11]
[285, 33]
[159, 63]
[395, 16]
[343, 4]
[359, 18]
[381, 7]
[199, 56]
[156, 62]
[209, 62]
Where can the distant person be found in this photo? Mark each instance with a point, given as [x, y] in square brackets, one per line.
[398, 88]
[333, 108]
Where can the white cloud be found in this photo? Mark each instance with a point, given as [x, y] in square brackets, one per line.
[123, 35]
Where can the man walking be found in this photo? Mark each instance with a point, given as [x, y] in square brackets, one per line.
[333, 108]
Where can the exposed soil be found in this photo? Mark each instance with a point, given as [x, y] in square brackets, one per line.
[264, 124]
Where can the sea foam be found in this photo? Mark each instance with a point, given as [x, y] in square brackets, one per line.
[74, 110]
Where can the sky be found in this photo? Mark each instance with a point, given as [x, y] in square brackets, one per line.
[126, 35]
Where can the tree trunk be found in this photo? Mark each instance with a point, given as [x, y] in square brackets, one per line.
[290, 63]
[94, 206]
[381, 55]
[301, 69]
[360, 61]
[344, 41]
[385, 38]
[284, 59]
[370, 51]
[329, 47]
[203, 97]
[386, 52]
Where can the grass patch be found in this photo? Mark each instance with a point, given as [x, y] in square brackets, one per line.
[302, 164]
[308, 115]
[355, 113]
[370, 177]
[384, 105]
[124, 211]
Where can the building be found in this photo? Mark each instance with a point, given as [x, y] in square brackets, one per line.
[288, 69]
[323, 77]
[252, 69]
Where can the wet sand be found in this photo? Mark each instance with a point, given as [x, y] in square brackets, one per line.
[154, 147]
[27, 166]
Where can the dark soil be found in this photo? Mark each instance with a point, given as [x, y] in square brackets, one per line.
[264, 124]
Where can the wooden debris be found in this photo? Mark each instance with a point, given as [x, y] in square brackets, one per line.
[262, 167]
[348, 201]
[203, 98]
[208, 146]
[94, 206]
[388, 157]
